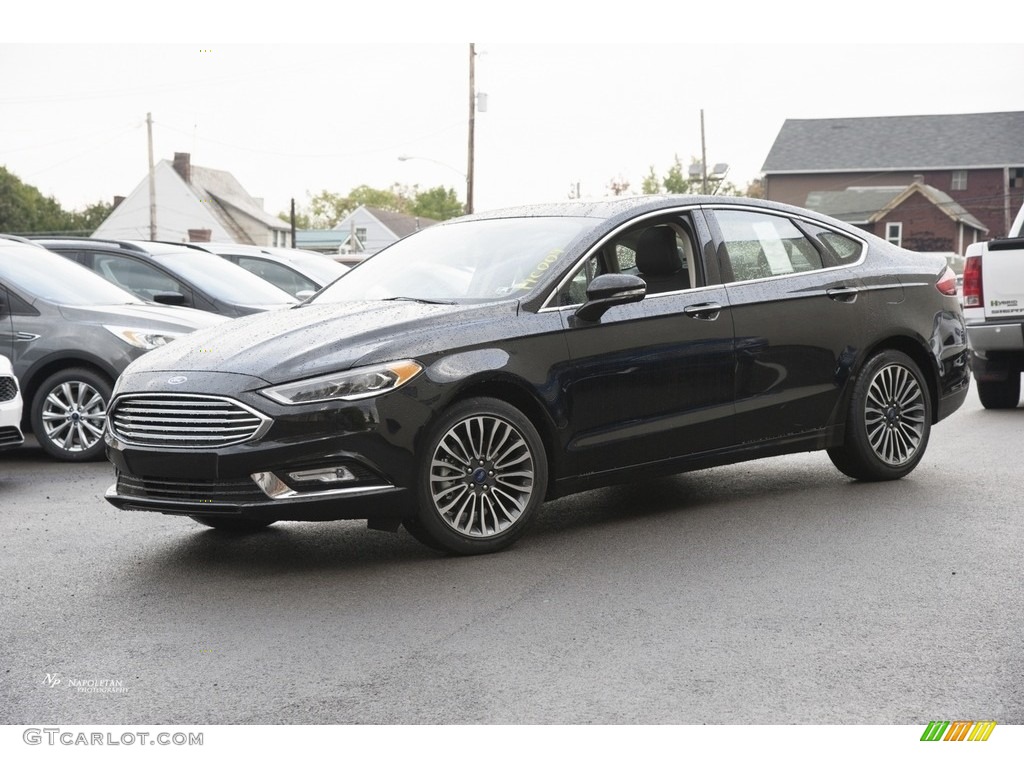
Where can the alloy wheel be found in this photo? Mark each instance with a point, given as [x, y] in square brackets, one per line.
[895, 414]
[482, 476]
[74, 416]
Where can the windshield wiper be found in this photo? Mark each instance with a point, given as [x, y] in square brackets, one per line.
[421, 301]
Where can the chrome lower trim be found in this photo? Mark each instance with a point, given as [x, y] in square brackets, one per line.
[276, 489]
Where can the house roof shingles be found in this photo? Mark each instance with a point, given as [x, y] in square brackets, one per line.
[861, 205]
[919, 142]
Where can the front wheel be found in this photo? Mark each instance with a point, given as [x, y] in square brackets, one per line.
[482, 478]
[889, 420]
[69, 414]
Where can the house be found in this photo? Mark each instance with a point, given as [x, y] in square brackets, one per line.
[977, 160]
[362, 233]
[918, 216]
[194, 204]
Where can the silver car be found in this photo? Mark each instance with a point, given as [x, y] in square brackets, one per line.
[69, 333]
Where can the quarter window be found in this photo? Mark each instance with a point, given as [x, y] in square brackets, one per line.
[760, 245]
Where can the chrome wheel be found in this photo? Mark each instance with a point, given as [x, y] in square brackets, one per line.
[888, 421]
[69, 413]
[74, 414]
[895, 414]
[482, 476]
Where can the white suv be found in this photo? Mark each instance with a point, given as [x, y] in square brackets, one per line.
[10, 407]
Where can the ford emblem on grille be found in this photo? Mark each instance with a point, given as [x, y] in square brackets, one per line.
[177, 379]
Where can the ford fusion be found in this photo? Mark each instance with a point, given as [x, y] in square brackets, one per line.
[457, 379]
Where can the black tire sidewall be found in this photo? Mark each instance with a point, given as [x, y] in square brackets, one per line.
[428, 519]
[859, 457]
[97, 381]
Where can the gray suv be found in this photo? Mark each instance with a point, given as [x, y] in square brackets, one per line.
[69, 333]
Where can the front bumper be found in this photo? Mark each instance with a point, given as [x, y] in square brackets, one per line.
[323, 461]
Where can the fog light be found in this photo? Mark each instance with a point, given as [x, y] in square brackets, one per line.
[340, 474]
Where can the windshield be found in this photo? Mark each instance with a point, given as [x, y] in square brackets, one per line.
[323, 269]
[467, 261]
[222, 279]
[40, 274]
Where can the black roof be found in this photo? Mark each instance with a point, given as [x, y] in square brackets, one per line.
[917, 142]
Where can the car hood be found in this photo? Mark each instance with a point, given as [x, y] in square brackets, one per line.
[149, 316]
[309, 340]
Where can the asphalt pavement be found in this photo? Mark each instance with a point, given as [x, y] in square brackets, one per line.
[772, 592]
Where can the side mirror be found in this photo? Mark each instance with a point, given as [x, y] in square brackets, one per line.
[607, 291]
[171, 298]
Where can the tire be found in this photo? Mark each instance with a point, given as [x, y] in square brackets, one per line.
[1000, 395]
[482, 477]
[232, 525]
[69, 414]
[888, 422]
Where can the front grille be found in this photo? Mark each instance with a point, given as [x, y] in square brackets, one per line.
[237, 491]
[184, 421]
[8, 388]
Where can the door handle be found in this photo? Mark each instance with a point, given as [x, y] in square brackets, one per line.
[706, 311]
[845, 295]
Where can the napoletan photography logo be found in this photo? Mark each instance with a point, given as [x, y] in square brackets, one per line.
[958, 730]
[106, 685]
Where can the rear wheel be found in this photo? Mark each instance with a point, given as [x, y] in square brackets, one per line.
[1000, 395]
[889, 420]
[482, 478]
[69, 414]
[230, 524]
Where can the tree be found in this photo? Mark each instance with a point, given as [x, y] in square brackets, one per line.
[650, 185]
[618, 186]
[25, 210]
[437, 203]
[676, 182]
[326, 209]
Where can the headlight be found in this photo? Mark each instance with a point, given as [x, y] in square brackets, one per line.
[143, 338]
[348, 385]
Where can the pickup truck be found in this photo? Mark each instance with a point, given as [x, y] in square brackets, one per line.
[993, 301]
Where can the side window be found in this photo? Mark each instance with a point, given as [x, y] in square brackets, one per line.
[661, 254]
[761, 245]
[284, 278]
[135, 276]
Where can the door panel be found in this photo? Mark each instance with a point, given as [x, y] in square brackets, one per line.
[798, 323]
[650, 381]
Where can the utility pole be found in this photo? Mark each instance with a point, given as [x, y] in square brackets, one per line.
[472, 126]
[152, 179]
[703, 158]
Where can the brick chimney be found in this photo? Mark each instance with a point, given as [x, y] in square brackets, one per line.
[183, 165]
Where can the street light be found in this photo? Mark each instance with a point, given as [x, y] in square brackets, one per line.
[700, 170]
[403, 158]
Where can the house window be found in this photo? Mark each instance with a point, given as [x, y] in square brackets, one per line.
[361, 235]
[894, 232]
[959, 180]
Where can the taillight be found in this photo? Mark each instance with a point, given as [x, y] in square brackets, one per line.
[973, 294]
[947, 283]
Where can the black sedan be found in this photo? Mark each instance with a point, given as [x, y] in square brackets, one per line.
[465, 374]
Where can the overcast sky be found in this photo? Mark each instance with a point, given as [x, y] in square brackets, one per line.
[288, 120]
